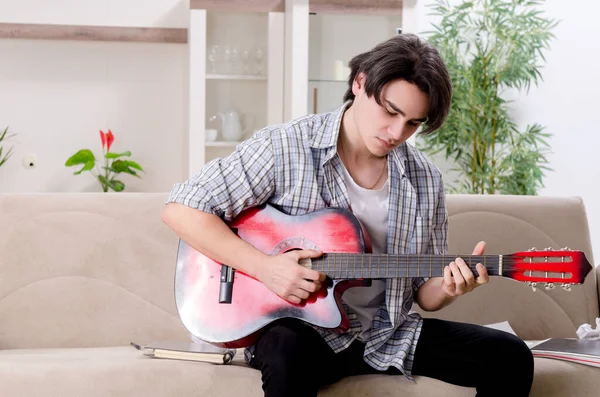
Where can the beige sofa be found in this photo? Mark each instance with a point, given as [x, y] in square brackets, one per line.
[82, 275]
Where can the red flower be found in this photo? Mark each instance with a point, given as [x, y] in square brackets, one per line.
[107, 139]
[110, 138]
[103, 139]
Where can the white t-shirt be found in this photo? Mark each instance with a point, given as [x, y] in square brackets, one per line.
[371, 209]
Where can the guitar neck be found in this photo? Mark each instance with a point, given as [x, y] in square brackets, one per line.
[359, 265]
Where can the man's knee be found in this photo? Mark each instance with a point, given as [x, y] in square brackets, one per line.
[514, 354]
[514, 349]
[283, 357]
[284, 344]
[279, 339]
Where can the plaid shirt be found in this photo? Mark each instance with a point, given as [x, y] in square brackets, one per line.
[296, 168]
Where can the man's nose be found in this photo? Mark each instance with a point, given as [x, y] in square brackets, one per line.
[396, 129]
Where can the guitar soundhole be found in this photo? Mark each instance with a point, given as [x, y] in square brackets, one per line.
[293, 243]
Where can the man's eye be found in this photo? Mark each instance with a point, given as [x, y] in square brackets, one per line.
[390, 113]
[414, 123]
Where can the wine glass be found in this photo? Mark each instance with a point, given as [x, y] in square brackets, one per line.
[245, 56]
[227, 58]
[213, 57]
[234, 60]
[258, 57]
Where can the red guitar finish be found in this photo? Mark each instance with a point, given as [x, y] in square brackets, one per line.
[344, 242]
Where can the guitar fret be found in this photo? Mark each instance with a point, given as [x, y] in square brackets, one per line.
[387, 270]
[430, 275]
[346, 267]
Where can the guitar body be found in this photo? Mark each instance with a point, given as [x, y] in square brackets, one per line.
[254, 306]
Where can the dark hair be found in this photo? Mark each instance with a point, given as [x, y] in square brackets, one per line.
[410, 58]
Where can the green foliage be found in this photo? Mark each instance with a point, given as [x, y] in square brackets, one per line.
[489, 46]
[4, 156]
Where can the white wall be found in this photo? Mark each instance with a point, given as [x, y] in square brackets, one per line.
[56, 95]
[566, 103]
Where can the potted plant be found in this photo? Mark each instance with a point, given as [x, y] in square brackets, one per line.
[490, 46]
[113, 164]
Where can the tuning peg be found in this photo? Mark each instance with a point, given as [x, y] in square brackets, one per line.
[566, 287]
[548, 249]
[566, 249]
[533, 285]
[549, 286]
[532, 249]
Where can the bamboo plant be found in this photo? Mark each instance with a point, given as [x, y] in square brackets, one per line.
[490, 46]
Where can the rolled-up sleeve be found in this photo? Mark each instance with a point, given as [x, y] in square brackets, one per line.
[227, 186]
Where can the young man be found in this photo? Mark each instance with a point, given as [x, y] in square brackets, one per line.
[356, 157]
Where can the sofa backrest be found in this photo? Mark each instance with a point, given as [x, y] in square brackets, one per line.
[86, 269]
[518, 223]
[97, 269]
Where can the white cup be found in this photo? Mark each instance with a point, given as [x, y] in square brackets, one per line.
[210, 135]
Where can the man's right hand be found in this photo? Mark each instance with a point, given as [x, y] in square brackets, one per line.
[284, 276]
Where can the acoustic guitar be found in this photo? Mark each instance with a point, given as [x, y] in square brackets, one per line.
[228, 308]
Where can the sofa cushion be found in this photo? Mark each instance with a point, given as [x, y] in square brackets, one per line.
[86, 270]
[124, 371]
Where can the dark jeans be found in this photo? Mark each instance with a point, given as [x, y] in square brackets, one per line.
[296, 361]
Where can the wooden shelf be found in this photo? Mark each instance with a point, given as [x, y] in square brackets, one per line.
[375, 7]
[235, 77]
[222, 143]
[239, 5]
[92, 33]
[327, 81]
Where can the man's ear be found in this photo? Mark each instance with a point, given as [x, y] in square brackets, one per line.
[358, 85]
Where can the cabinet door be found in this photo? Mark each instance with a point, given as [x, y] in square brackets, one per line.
[321, 38]
[236, 77]
[334, 39]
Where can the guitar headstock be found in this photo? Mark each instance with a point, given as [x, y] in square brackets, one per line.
[548, 266]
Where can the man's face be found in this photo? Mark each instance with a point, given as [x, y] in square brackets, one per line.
[383, 127]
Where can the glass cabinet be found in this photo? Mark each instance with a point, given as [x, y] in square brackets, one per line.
[235, 81]
[262, 62]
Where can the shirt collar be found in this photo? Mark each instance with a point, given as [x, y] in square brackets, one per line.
[328, 132]
[326, 137]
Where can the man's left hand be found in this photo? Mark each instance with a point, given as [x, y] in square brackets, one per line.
[458, 277]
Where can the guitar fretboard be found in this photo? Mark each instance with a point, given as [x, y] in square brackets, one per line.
[359, 265]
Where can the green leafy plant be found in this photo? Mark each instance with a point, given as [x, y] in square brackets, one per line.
[490, 46]
[4, 156]
[113, 164]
